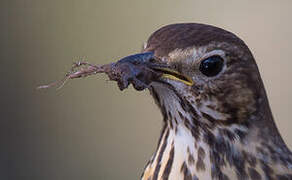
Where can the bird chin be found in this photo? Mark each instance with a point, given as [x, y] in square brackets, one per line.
[165, 85]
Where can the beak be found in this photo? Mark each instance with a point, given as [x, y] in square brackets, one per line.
[143, 68]
[175, 76]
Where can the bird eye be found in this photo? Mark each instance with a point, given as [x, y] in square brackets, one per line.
[211, 66]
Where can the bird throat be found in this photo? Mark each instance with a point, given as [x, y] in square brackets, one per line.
[189, 149]
[182, 151]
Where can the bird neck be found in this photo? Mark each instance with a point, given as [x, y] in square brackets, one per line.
[195, 151]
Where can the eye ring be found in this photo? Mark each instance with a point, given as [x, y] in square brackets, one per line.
[211, 66]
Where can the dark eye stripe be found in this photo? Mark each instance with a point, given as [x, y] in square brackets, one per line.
[211, 66]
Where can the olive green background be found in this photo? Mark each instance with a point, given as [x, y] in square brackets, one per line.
[89, 129]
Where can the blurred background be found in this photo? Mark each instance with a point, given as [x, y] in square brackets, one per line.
[89, 129]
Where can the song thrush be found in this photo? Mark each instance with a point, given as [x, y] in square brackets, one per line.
[217, 123]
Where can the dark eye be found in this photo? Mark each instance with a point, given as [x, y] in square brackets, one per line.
[211, 66]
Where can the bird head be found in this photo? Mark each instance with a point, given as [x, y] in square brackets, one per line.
[208, 76]
[209, 69]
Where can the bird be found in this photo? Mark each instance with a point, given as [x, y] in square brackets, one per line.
[217, 122]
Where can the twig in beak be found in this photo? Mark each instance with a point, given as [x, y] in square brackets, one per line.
[78, 70]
